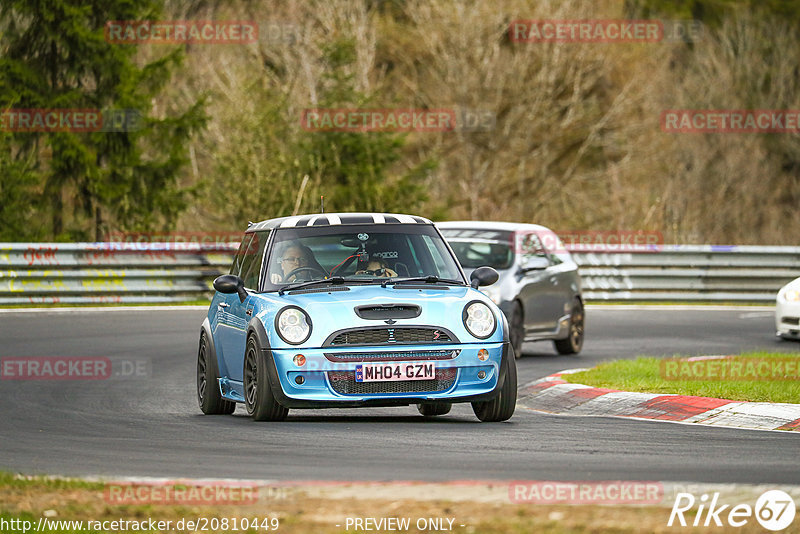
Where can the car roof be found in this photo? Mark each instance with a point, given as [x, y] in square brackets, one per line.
[336, 219]
[493, 225]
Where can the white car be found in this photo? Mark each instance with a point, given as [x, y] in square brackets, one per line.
[787, 311]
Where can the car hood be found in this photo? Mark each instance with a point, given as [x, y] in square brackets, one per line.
[331, 311]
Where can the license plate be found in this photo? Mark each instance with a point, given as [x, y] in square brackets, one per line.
[390, 372]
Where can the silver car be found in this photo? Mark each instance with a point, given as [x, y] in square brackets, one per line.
[539, 289]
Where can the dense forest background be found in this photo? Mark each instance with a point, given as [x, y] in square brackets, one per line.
[577, 142]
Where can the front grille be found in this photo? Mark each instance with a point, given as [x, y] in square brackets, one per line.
[344, 383]
[791, 320]
[391, 356]
[380, 336]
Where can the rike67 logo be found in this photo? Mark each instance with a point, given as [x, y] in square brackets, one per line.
[774, 510]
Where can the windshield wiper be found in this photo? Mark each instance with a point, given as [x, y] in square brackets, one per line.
[426, 279]
[334, 280]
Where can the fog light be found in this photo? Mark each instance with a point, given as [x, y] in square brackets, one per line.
[299, 360]
[299, 380]
[483, 355]
[481, 375]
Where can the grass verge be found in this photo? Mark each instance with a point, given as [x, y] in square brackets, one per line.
[650, 375]
[324, 509]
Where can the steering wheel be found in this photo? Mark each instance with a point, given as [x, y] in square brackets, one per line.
[299, 269]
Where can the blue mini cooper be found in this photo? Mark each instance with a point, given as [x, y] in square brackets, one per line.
[348, 310]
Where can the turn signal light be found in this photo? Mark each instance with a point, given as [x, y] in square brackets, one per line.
[483, 355]
[299, 360]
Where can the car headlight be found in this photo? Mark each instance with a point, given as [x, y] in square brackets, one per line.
[479, 319]
[791, 295]
[293, 325]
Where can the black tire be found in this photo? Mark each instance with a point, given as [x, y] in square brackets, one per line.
[516, 329]
[574, 340]
[208, 395]
[258, 398]
[501, 407]
[431, 409]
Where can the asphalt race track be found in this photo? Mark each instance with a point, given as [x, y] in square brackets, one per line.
[153, 427]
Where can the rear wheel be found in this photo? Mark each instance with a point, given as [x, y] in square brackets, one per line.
[574, 341]
[516, 329]
[431, 409]
[501, 407]
[258, 398]
[208, 396]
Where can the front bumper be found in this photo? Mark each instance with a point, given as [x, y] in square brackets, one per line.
[328, 381]
[787, 319]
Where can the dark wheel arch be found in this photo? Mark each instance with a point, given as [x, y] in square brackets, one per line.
[209, 397]
[260, 402]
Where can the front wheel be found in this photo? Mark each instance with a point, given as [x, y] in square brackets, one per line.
[208, 395]
[516, 329]
[574, 341]
[501, 407]
[432, 409]
[258, 398]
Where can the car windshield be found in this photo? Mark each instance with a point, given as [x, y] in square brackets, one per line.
[476, 248]
[358, 254]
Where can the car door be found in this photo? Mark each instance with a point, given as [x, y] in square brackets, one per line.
[562, 275]
[539, 291]
[235, 314]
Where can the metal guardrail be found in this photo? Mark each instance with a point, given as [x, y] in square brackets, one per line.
[35, 273]
[77, 273]
[699, 273]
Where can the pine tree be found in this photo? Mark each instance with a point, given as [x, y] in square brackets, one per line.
[54, 55]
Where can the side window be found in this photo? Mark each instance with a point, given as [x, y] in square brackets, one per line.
[248, 257]
[531, 246]
[554, 247]
[241, 254]
[251, 267]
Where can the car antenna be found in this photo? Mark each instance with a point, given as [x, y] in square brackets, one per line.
[322, 203]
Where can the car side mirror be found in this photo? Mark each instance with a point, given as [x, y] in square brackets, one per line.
[229, 284]
[536, 263]
[483, 276]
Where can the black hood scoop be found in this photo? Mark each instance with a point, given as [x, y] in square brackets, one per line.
[381, 312]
